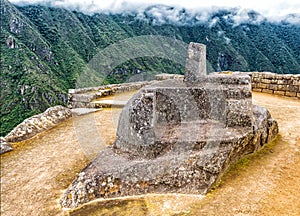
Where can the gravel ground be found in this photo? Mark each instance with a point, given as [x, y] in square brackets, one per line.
[34, 175]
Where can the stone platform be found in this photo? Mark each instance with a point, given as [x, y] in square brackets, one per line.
[184, 158]
[177, 136]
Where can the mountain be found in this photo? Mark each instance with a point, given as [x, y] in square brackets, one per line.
[45, 50]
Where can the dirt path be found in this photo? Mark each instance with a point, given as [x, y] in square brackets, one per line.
[268, 183]
[35, 173]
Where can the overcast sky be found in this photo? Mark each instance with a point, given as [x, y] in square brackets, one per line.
[272, 9]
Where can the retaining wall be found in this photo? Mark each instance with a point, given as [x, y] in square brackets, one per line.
[267, 82]
[278, 84]
[38, 123]
[82, 98]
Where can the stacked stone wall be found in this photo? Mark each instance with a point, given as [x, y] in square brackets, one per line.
[278, 84]
[38, 123]
[82, 98]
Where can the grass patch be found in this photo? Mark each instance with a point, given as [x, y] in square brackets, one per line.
[242, 165]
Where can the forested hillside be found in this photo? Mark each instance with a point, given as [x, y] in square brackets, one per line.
[44, 50]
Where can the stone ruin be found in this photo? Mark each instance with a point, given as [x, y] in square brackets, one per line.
[177, 136]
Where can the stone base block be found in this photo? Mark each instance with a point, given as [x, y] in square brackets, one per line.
[190, 165]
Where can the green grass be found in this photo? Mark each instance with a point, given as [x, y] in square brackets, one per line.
[242, 165]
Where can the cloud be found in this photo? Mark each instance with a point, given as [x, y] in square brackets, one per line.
[185, 12]
[213, 22]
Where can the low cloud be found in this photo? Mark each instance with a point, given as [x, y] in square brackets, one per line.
[185, 12]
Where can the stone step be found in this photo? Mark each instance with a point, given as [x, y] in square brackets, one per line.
[104, 92]
[109, 103]
[83, 111]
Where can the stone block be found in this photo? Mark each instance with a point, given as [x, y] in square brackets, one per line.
[268, 75]
[261, 75]
[280, 87]
[75, 104]
[238, 92]
[195, 62]
[262, 85]
[255, 80]
[298, 95]
[284, 88]
[279, 92]
[268, 91]
[168, 76]
[296, 82]
[273, 87]
[257, 89]
[279, 76]
[291, 94]
[274, 81]
[71, 91]
[239, 113]
[83, 97]
[293, 88]
[287, 76]
[255, 76]
[267, 81]
[282, 81]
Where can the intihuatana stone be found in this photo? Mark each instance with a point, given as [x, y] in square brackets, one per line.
[177, 136]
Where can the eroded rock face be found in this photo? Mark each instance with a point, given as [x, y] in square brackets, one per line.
[185, 167]
[177, 136]
[38, 123]
[4, 146]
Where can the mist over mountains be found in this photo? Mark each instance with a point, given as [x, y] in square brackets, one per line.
[45, 50]
[183, 12]
[273, 11]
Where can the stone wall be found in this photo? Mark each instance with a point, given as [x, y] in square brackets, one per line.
[165, 76]
[82, 98]
[4, 146]
[278, 84]
[266, 82]
[38, 123]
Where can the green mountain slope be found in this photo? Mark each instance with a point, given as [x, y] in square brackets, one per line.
[28, 84]
[45, 50]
